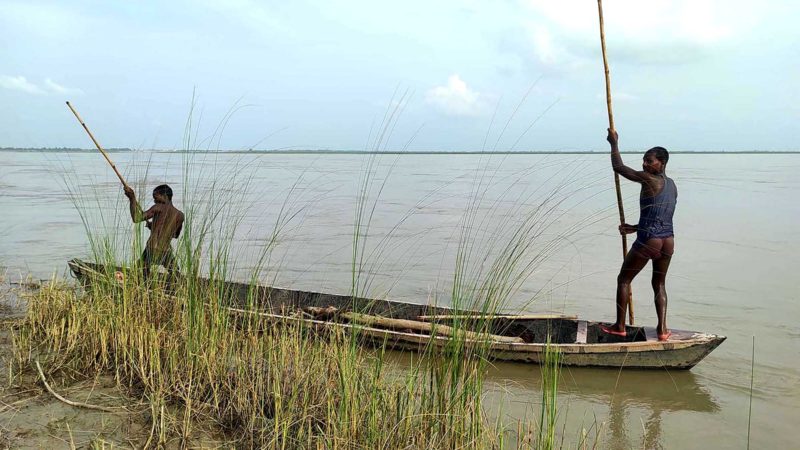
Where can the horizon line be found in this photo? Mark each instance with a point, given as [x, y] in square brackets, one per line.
[385, 152]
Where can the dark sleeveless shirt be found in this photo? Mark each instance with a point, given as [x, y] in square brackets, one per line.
[655, 213]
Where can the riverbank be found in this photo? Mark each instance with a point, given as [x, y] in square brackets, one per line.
[166, 374]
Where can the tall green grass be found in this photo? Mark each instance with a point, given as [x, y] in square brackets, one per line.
[281, 383]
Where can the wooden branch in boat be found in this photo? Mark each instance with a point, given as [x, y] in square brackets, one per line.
[404, 324]
[320, 312]
[497, 316]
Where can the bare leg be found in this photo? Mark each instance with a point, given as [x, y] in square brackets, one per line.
[660, 268]
[171, 266]
[633, 264]
[145, 271]
[145, 260]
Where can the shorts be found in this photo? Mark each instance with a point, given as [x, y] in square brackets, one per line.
[655, 247]
[158, 258]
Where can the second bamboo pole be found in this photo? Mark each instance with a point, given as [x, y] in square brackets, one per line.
[611, 127]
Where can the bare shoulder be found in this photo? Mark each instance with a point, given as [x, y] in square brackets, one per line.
[653, 183]
[178, 213]
[155, 209]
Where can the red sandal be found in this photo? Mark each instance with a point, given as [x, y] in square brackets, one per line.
[664, 337]
[608, 330]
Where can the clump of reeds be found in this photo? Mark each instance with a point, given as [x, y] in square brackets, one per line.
[277, 383]
[263, 382]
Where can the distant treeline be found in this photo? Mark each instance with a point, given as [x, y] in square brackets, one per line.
[390, 152]
[62, 149]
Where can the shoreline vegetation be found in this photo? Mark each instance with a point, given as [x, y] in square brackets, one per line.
[394, 152]
[189, 374]
[189, 368]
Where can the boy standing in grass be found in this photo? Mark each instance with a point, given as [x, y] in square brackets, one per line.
[165, 222]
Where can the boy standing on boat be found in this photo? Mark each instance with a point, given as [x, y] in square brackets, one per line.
[654, 234]
[165, 222]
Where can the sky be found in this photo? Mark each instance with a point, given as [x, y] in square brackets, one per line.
[689, 75]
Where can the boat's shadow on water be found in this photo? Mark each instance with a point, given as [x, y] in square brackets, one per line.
[678, 390]
[627, 405]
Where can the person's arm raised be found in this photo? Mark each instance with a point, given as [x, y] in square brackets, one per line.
[619, 166]
[136, 211]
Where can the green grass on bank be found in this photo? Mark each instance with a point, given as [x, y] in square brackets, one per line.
[267, 383]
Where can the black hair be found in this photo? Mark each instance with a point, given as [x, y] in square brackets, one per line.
[660, 153]
[163, 189]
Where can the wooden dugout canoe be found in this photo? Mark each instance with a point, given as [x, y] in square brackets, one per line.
[580, 342]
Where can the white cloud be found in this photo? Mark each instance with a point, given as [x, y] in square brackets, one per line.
[59, 89]
[563, 34]
[20, 83]
[653, 20]
[456, 98]
[553, 50]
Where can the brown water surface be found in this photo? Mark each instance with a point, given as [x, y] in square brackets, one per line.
[737, 247]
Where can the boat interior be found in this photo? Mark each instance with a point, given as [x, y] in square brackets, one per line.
[531, 328]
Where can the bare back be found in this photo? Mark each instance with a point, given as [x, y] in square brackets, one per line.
[166, 223]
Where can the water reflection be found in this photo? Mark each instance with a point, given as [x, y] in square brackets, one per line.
[627, 407]
[618, 436]
[658, 390]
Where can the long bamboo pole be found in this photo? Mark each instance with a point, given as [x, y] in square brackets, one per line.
[97, 144]
[611, 126]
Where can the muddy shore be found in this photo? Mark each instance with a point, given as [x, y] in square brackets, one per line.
[33, 418]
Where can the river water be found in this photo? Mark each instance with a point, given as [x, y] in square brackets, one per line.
[734, 270]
